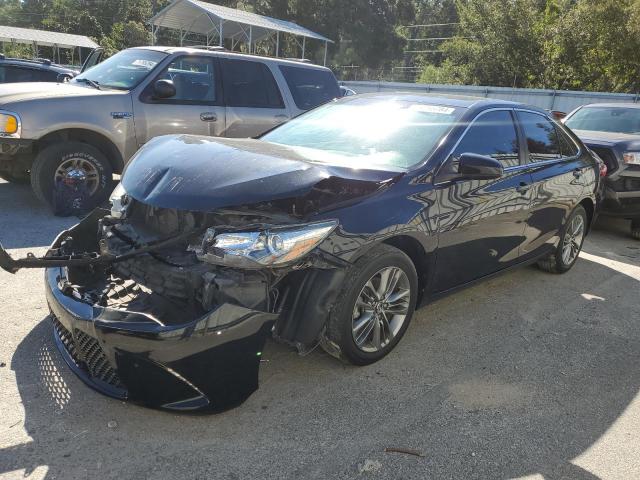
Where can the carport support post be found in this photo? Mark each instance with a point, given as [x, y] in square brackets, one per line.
[221, 36]
[304, 44]
[277, 43]
[326, 48]
[250, 37]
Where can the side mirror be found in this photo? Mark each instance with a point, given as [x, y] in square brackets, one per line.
[64, 77]
[164, 89]
[479, 167]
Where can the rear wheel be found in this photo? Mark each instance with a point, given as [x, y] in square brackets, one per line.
[64, 160]
[571, 239]
[376, 306]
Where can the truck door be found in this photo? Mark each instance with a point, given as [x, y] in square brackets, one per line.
[195, 108]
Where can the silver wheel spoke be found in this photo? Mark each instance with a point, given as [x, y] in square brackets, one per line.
[362, 321]
[360, 339]
[393, 281]
[377, 334]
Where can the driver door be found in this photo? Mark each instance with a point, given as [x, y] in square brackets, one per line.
[482, 222]
[196, 108]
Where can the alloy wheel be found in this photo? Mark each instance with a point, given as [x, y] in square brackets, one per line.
[572, 241]
[77, 166]
[381, 309]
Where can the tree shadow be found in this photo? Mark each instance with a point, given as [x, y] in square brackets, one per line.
[517, 376]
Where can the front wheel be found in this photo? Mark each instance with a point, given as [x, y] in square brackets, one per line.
[375, 307]
[571, 239]
[65, 160]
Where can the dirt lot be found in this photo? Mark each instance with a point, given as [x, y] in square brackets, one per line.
[529, 376]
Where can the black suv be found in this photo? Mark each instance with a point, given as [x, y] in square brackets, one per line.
[14, 70]
[613, 132]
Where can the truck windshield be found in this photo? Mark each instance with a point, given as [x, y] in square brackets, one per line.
[123, 71]
[606, 119]
[368, 132]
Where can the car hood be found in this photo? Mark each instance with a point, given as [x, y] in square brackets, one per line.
[623, 140]
[17, 92]
[200, 173]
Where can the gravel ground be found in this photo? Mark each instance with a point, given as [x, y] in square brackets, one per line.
[529, 375]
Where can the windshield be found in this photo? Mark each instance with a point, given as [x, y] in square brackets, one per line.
[124, 71]
[367, 132]
[606, 119]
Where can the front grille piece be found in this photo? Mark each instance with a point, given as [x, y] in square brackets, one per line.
[87, 354]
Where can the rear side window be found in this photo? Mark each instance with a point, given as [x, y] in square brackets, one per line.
[10, 73]
[541, 137]
[249, 84]
[310, 87]
[567, 147]
[494, 135]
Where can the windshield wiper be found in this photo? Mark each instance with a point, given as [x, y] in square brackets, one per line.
[88, 81]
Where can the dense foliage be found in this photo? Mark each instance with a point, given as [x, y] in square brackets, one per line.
[564, 44]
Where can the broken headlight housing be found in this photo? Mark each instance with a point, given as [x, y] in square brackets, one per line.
[120, 202]
[274, 247]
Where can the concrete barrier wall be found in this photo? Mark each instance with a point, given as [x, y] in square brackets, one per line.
[562, 100]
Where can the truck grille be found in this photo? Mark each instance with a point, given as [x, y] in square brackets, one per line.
[87, 354]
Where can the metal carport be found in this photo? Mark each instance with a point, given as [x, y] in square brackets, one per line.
[218, 23]
[43, 38]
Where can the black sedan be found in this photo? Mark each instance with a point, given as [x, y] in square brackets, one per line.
[331, 230]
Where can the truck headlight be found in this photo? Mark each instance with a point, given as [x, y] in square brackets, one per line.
[631, 158]
[9, 125]
[264, 248]
[120, 202]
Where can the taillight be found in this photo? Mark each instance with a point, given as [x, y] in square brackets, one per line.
[603, 169]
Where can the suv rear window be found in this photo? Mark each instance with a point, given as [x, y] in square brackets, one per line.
[249, 84]
[14, 73]
[310, 87]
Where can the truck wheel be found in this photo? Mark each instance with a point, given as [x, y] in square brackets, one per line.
[635, 229]
[59, 160]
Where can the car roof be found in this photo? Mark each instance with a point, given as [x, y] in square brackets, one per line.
[457, 101]
[612, 105]
[229, 54]
[37, 63]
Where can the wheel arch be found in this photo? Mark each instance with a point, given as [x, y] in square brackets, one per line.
[589, 205]
[418, 255]
[90, 137]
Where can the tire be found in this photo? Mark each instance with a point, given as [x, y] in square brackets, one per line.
[15, 177]
[48, 161]
[635, 229]
[557, 262]
[340, 334]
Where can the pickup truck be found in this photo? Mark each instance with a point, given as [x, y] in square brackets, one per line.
[612, 131]
[92, 125]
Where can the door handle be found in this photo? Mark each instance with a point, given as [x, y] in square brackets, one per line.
[577, 173]
[281, 117]
[208, 117]
[523, 188]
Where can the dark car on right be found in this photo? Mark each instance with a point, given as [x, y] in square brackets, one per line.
[612, 131]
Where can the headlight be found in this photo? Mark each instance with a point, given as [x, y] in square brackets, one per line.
[120, 202]
[632, 158]
[9, 125]
[257, 249]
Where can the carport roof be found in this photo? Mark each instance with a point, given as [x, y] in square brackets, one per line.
[44, 38]
[203, 18]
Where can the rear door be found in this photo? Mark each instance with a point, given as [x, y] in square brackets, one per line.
[482, 222]
[558, 175]
[310, 87]
[196, 108]
[252, 98]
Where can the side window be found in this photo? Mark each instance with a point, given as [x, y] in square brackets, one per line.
[494, 135]
[567, 146]
[194, 79]
[19, 74]
[541, 136]
[310, 87]
[249, 84]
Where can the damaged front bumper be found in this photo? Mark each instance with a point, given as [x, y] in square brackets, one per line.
[210, 362]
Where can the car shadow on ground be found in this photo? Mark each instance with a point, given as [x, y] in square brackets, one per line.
[27, 222]
[520, 375]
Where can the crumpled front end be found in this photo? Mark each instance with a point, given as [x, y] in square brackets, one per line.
[166, 329]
